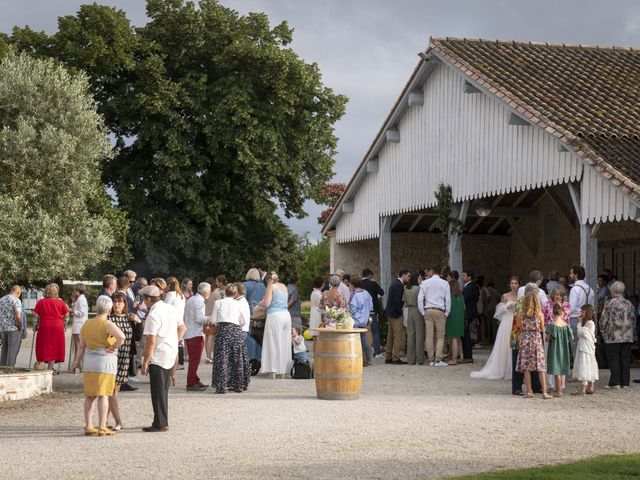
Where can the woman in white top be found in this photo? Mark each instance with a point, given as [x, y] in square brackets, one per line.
[80, 315]
[498, 365]
[316, 297]
[230, 363]
[174, 297]
[276, 344]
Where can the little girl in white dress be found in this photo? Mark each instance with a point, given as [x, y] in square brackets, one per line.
[585, 366]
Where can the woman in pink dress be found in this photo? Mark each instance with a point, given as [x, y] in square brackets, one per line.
[53, 314]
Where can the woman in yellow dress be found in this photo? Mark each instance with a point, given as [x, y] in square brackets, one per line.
[99, 343]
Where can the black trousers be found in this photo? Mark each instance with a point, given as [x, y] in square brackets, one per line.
[159, 379]
[467, 345]
[517, 378]
[619, 358]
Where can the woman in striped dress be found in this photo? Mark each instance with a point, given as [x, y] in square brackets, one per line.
[120, 317]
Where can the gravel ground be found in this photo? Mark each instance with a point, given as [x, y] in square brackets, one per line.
[410, 422]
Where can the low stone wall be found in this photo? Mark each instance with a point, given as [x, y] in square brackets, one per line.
[23, 383]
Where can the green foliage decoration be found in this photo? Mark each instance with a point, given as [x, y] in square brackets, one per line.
[445, 222]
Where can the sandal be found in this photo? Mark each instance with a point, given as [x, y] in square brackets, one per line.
[529, 395]
[546, 396]
[117, 428]
[105, 432]
[90, 432]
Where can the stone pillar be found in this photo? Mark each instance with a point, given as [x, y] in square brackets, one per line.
[331, 235]
[385, 253]
[458, 211]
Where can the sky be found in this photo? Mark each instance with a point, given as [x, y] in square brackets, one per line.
[366, 49]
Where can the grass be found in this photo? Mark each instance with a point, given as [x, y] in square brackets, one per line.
[611, 467]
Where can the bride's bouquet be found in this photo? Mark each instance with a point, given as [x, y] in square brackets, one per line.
[339, 318]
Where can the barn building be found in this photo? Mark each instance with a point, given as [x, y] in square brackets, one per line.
[540, 144]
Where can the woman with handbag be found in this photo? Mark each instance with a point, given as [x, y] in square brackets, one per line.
[52, 315]
[276, 345]
[100, 340]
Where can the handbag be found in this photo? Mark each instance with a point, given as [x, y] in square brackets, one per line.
[209, 329]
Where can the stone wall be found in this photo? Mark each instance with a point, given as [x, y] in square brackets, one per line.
[487, 255]
[24, 384]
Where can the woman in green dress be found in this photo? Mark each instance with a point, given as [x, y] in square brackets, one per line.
[559, 336]
[454, 327]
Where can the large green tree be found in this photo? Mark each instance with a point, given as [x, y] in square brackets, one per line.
[55, 217]
[218, 123]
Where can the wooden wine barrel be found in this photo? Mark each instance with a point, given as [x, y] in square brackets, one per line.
[338, 364]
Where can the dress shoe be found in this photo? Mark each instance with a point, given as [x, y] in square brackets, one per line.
[125, 387]
[398, 362]
[155, 429]
[202, 385]
[637, 380]
[196, 388]
[467, 360]
[388, 360]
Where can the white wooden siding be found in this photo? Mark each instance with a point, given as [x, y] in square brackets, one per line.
[601, 201]
[463, 140]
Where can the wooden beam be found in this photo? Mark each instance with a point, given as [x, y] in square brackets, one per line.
[416, 99]
[416, 222]
[393, 135]
[479, 221]
[396, 220]
[595, 229]
[562, 148]
[589, 253]
[574, 191]
[557, 201]
[514, 212]
[517, 120]
[372, 165]
[518, 201]
[524, 238]
[432, 227]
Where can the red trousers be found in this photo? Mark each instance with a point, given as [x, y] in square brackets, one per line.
[195, 346]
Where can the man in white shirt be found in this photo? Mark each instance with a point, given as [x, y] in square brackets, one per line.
[579, 295]
[434, 303]
[163, 329]
[535, 277]
[194, 319]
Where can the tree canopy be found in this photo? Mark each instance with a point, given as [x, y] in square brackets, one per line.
[56, 218]
[218, 123]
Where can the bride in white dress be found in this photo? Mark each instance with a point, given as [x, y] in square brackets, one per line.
[498, 365]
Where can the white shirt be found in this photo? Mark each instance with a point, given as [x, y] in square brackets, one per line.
[162, 322]
[434, 293]
[176, 301]
[228, 310]
[316, 313]
[244, 306]
[80, 314]
[299, 348]
[194, 316]
[578, 297]
[542, 297]
[344, 291]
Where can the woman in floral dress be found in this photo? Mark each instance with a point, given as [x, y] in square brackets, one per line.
[531, 348]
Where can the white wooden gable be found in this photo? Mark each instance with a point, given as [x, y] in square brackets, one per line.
[467, 139]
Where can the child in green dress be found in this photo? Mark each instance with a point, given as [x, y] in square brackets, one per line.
[559, 336]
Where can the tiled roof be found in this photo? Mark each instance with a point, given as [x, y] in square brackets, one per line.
[587, 96]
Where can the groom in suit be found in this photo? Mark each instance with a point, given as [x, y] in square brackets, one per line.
[396, 340]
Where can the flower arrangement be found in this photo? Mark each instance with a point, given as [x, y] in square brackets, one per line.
[339, 318]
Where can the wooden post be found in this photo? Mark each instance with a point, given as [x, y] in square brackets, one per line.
[458, 211]
[331, 234]
[385, 253]
[588, 240]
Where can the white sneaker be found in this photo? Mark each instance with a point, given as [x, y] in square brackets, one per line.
[432, 363]
[134, 379]
[380, 355]
[440, 363]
